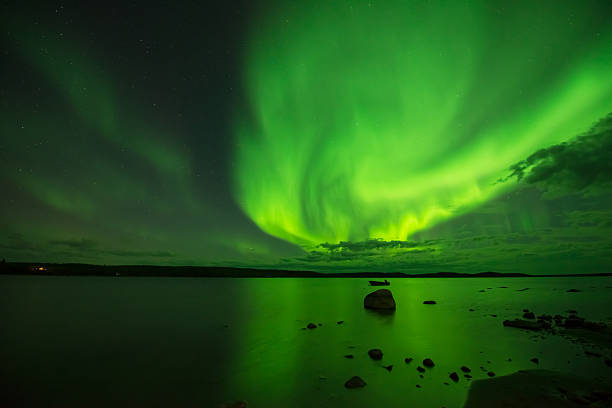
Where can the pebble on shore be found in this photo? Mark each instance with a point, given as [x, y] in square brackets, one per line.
[355, 382]
[375, 354]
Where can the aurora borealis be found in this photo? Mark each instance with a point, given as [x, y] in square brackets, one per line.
[330, 135]
[384, 133]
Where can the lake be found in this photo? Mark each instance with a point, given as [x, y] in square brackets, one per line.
[199, 342]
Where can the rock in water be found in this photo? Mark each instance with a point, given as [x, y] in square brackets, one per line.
[527, 324]
[428, 363]
[312, 326]
[429, 302]
[537, 389]
[375, 354]
[355, 382]
[381, 299]
[453, 376]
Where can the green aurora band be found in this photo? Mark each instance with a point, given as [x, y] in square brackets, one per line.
[379, 119]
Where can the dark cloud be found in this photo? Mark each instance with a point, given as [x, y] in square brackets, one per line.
[78, 249]
[154, 254]
[15, 241]
[522, 239]
[82, 244]
[371, 244]
[583, 163]
[91, 247]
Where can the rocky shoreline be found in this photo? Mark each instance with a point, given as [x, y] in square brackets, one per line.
[521, 389]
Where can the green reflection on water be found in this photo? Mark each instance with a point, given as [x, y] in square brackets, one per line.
[143, 341]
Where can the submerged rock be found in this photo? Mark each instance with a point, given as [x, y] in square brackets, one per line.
[453, 376]
[573, 290]
[575, 322]
[388, 368]
[428, 363]
[380, 299]
[420, 369]
[312, 326]
[375, 354]
[535, 360]
[355, 382]
[349, 356]
[429, 302]
[408, 360]
[526, 324]
[465, 369]
[491, 374]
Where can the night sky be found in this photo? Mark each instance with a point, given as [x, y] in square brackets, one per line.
[374, 135]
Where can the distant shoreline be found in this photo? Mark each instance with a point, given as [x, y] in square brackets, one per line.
[48, 269]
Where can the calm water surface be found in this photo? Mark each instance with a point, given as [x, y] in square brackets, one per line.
[89, 341]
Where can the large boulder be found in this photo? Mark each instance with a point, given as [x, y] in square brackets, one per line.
[382, 299]
[538, 389]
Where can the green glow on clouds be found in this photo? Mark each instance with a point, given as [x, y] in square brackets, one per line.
[380, 119]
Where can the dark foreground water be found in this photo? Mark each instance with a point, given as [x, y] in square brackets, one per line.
[88, 341]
